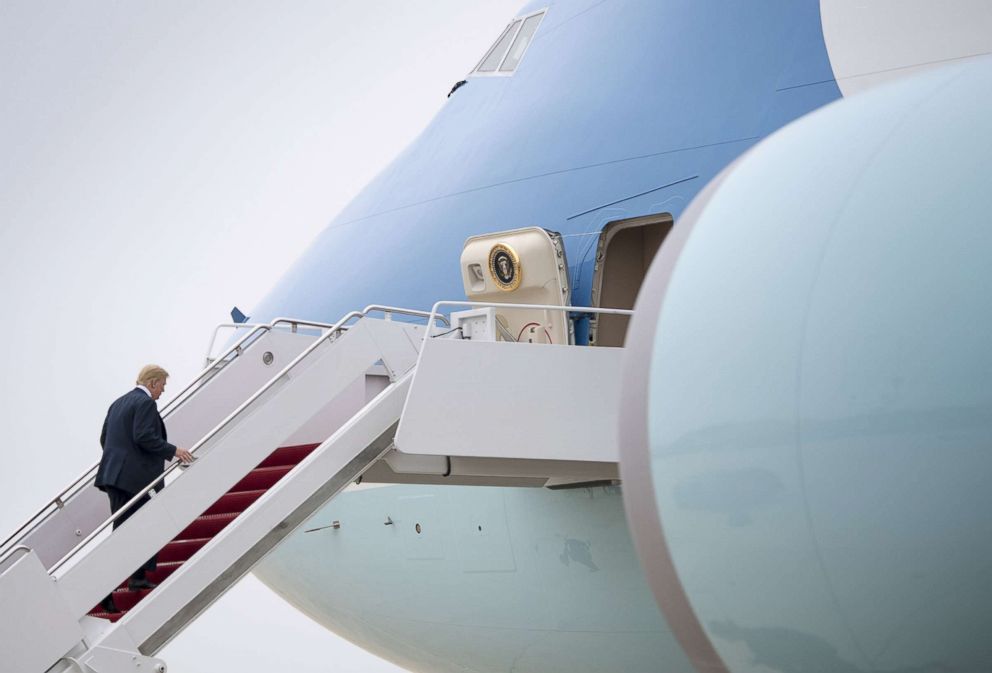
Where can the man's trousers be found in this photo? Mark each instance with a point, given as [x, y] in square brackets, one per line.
[118, 499]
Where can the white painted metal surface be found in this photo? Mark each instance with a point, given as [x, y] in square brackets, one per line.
[341, 408]
[513, 400]
[65, 526]
[38, 628]
[234, 384]
[477, 324]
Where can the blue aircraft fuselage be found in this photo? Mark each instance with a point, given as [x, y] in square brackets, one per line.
[618, 109]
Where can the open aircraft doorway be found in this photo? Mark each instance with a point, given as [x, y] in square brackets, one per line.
[623, 255]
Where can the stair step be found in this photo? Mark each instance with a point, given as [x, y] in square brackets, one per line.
[262, 478]
[125, 600]
[234, 502]
[206, 526]
[288, 455]
[181, 550]
[158, 575]
[192, 538]
[100, 614]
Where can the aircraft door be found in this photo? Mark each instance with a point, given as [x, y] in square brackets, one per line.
[522, 266]
[623, 255]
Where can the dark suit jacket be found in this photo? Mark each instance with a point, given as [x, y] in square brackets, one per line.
[134, 444]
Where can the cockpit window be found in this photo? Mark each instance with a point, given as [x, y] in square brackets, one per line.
[504, 56]
[521, 43]
[496, 54]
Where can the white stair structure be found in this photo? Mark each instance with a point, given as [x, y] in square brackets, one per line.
[470, 412]
[218, 390]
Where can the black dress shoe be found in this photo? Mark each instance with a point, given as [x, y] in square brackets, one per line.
[107, 604]
[138, 585]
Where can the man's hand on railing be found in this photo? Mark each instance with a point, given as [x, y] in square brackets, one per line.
[184, 456]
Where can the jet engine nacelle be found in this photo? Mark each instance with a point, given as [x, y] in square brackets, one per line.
[807, 432]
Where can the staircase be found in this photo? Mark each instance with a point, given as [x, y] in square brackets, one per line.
[210, 523]
[214, 520]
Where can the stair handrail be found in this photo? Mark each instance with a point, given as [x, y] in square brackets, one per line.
[239, 346]
[69, 491]
[294, 323]
[175, 403]
[339, 326]
[58, 501]
[495, 304]
[430, 315]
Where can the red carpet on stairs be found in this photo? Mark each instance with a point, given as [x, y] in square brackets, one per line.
[212, 521]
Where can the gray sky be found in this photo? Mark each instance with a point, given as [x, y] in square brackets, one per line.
[161, 162]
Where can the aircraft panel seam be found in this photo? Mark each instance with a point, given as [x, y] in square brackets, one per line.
[543, 175]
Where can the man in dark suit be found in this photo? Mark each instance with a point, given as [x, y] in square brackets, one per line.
[134, 454]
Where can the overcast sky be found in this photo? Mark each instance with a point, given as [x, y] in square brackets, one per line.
[161, 162]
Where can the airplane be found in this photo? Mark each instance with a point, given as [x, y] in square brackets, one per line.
[634, 129]
[602, 122]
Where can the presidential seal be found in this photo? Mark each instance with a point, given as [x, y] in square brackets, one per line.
[504, 267]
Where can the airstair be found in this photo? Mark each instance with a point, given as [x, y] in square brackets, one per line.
[468, 416]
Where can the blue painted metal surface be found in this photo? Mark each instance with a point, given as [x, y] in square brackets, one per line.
[820, 410]
[619, 109]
